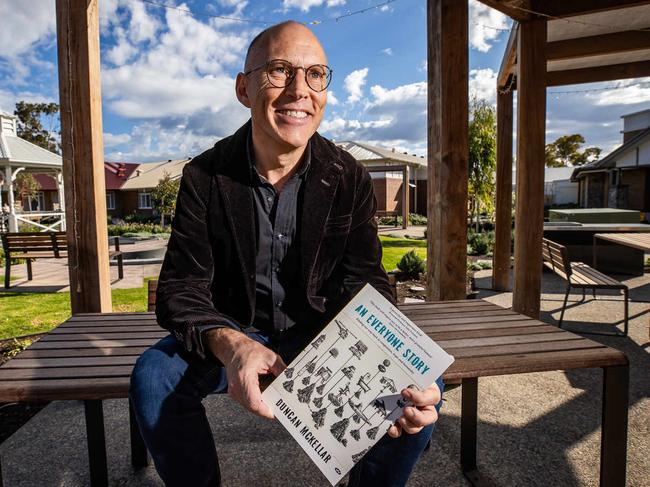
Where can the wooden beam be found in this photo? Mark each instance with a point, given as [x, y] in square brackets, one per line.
[616, 42]
[503, 210]
[83, 154]
[508, 69]
[600, 73]
[507, 8]
[448, 149]
[531, 121]
[564, 8]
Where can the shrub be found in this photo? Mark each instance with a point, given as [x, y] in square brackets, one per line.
[480, 243]
[2, 256]
[411, 264]
[137, 218]
[415, 219]
[119, 230]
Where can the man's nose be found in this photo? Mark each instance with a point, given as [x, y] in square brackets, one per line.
[299, 87]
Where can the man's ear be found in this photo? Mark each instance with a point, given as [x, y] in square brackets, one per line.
[241, 90]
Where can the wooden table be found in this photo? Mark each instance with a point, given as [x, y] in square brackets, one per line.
[621, 253]
[89, 357]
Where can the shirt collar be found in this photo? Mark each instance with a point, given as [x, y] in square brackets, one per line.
[256, 176]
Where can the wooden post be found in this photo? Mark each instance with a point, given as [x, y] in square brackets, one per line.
[448, 149]
[405, 197]
[503, 200]
[83, 154]
[531, 122]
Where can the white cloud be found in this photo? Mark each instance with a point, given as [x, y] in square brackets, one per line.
[483, 84]
[113, 140]
[624, 93]
[485, 25]
[25, 24]
[423, 66]
[332, 100]
[354, 83]
[306, 5]
[388, 51]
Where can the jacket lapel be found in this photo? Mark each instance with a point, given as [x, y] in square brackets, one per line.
[320, 186]
[234, 183]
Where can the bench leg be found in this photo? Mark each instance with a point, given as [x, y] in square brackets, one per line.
[566, 298]
[468, 424]
[29, 269]
[96, 443]
[613, 444]
[7, 273]
[626, 311]
[120, 267]
[139, 457]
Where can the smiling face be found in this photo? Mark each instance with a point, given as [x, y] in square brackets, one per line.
[284, 119]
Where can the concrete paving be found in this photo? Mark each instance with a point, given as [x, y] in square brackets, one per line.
[538, 429]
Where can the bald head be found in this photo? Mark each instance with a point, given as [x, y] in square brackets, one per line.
[285, 31]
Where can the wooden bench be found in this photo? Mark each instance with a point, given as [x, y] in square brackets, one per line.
[43, 245]
[579, 275]
[90, 357]
[386, 214]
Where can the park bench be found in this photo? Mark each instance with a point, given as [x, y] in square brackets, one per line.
[43, 245]
[580, 276]
[90, 357]
[388, 214]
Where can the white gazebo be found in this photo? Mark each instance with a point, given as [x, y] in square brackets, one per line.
[18, 155]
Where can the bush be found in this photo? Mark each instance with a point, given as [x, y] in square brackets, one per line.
[137, 218]
[415, 219]
[120, 230]
[411, 264]
[2, 256]
[480, 243]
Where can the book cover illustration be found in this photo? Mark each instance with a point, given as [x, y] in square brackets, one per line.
[340, 395]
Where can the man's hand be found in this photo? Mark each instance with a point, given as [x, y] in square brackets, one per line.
[245, 360]
[421, 414]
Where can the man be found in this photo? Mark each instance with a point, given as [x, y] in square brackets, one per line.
[273, 234]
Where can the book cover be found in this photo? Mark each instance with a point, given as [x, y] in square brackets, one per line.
[340, 395]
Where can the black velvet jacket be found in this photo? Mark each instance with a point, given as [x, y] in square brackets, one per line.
[208, 274]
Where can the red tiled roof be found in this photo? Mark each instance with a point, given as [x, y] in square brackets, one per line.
[47, 183]
[116, 173]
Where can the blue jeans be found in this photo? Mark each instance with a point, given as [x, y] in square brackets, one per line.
[167, 389]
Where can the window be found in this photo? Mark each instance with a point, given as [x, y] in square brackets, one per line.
[144, 200]
[614, 177]
[110, 200]
[35, 202]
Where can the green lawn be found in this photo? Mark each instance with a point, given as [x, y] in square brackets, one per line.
[26, 313]
[395, 248]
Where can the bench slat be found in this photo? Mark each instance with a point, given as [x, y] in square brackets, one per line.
[520, 348]
[66, 373]
[120, 336]
[31, 353]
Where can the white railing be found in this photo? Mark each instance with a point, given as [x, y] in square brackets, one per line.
[27, 218]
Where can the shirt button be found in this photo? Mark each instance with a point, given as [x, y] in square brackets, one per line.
[276, 270]
[280, 236]
[278, 304]
[269, 198]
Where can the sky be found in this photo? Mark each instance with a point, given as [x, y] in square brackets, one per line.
[168, 73]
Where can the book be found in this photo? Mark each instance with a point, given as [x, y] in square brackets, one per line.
[340, 395]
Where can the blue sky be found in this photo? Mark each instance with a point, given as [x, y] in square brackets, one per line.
[168, 75]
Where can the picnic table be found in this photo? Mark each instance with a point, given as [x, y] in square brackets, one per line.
[621, 253]
[90, 357]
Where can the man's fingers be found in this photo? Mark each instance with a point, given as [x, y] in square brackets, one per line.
[418, 418]
[253, 397]
[278, 366]
[427, 397]
[395, 430]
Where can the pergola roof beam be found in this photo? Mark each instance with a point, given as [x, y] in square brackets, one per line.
[598, 74]
[597, 45]
[523, 10]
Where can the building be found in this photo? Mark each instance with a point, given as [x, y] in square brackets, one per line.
[622, 178]
[388, 184]
[559, 189]
[42, 209]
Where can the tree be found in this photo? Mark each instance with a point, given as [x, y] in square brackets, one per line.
[30, 127]
[482, 157]
[27, 186]
[565, 151]
[164, 196]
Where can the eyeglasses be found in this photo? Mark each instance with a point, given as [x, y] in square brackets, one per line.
[281, 73]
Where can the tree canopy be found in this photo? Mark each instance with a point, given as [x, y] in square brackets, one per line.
[30, 124]
[482, 156]
[164, 196]
[565, 151]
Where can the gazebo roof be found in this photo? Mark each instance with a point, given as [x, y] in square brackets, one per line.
[362, 151]
[17, 151]
[586, 45]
